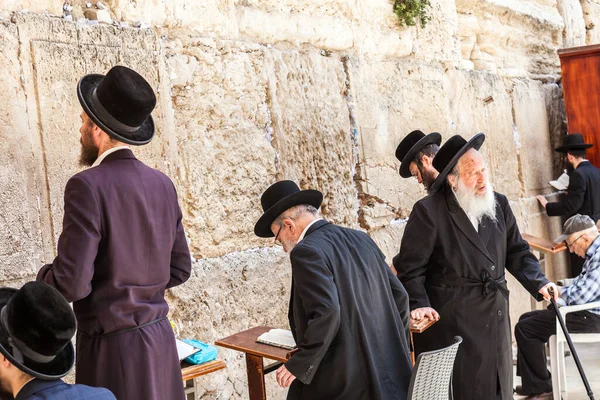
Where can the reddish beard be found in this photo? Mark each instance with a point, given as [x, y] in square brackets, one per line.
[89, 151]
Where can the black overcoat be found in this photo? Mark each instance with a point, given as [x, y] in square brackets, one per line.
[583, 194]
[122, 245]
[446, 264]
[349, 315]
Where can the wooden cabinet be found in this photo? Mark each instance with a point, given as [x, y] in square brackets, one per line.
[581, 86]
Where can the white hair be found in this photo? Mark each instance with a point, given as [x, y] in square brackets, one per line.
[297, 211]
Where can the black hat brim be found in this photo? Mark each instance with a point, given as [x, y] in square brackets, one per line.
[566, 149]
[474, 143]
[310, 197]
[85, 87]
[432, 138]
[59, 367]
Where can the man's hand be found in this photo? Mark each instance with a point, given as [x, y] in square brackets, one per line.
[284, 377]
[424, 312]
[545, 291]
[542, 200]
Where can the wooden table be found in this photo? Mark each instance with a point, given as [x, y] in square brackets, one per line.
[191, 371]
[255, 353]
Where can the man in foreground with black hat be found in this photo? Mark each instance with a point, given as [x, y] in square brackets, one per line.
[583, 192]
[36, 327]
[534, 328]
[348, 312]
[121, 247]
[457, 245]
[415, 153]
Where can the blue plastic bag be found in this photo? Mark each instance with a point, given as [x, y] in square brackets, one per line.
[207, 352]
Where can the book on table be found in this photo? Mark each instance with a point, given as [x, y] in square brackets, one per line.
[278, 338]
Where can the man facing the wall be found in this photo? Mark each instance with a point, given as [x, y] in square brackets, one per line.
[121, 247]
[415, 153]
[348, 312]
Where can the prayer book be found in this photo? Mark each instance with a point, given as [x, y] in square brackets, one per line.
[561, 183]
[278, 338]
[185, 350]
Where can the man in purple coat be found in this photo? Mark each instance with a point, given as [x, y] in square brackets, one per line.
[121, 247]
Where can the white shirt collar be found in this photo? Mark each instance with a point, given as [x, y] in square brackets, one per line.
[106, 153]
[306, 229]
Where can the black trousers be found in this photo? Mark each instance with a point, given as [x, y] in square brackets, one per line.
[532, 332]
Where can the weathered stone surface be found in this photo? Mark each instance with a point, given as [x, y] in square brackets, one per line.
[388, 238]
[557, 123]
[227, 295]
[574, 33]
[392, 99]
[591, 17]
[532, 130]
[20, 240]
[467, 91]
[311, 128]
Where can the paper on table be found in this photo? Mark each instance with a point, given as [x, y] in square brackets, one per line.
[279, 338]
[561, 183]
[185, 350]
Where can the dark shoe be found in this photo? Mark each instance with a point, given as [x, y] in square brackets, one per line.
[533, 396]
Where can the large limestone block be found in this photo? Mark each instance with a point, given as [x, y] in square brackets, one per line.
[532, 130]
[311, 127]
[557, 123]
[439, 39]
[574, 33]
[512, 37]
[225, 156]
[55, 7]
[20, 239]
[227, 295]
[391, 100]
[467, 92]
[591, 16]
[388, 238]
[213, 17]
[55, 54]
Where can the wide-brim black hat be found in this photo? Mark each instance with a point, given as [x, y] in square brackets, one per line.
[120, 103]
[58, 367]
[411, 145]
[279, 197]
[573, 141]
[449, 154]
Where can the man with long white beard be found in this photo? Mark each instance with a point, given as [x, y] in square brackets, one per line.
[458, 243]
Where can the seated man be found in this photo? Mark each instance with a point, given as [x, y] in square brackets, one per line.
[36, 327]
[534, 328]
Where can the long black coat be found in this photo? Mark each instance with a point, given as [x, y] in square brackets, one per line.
[443, 263]
[349, 315]
[121, 246]
[583, 194]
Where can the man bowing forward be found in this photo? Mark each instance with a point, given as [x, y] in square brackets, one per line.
[348, 312]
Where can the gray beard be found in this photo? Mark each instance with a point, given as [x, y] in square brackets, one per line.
[476, 206]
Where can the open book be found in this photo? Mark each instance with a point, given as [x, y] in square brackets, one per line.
[185, 350]
[561, 183]
[278, 338]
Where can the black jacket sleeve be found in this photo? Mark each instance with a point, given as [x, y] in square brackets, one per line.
[570, 203]
[314, 283]
[416, 248]
[520, 262]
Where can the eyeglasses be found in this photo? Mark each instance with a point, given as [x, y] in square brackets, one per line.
[277, 236]
[573, 242]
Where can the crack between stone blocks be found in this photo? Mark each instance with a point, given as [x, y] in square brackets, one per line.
[516, 137]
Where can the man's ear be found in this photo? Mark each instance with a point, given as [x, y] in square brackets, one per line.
[426, 161]
[452, 180]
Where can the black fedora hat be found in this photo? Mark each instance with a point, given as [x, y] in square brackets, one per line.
[120, 104]
[573, 141]
[449, 155]
[279, 197]
[36, 327]
[410, 146]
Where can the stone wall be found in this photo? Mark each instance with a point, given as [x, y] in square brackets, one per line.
[249, 92]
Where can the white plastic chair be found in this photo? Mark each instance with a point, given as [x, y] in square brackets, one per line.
[557, 345]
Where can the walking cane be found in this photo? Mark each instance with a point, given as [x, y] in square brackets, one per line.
[571, 346]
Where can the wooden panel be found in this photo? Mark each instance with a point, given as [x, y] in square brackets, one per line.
[189, 371]
[581, 86]
[246, 342]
